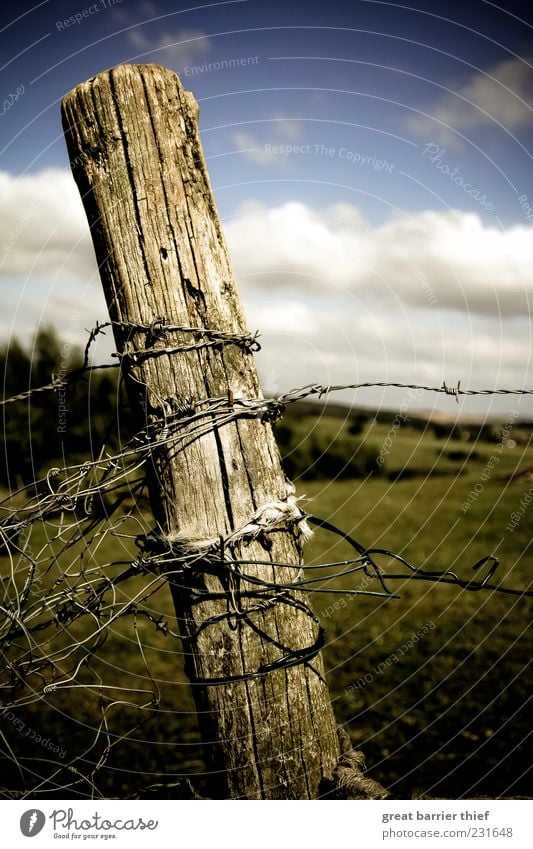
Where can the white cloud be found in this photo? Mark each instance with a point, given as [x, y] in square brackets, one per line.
[287, 128]
[437, 296]
[444, 259]
[43, 229]
[348, 342]
[48, 270]
[182, 47]
[501, 94]
[277, 131]
[449, 259]
[126, 15]
[428, 297]
[253, 149]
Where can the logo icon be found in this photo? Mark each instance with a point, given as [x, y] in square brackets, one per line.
[32, 822]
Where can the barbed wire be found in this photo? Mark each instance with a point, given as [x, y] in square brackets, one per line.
[456, 391]
[153, 332]
[215, 338]
[63, 598]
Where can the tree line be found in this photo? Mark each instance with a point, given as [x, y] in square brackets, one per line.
[71, 423]
[57, 426]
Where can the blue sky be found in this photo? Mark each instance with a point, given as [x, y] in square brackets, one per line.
[371, 163]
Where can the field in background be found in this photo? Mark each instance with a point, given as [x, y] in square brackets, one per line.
[450, 717]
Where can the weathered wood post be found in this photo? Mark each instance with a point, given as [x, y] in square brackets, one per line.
[134, 146]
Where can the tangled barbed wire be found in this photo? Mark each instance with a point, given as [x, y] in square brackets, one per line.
[64, 596]
[204, 337]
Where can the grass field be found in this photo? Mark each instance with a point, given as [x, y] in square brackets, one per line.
[446, 716]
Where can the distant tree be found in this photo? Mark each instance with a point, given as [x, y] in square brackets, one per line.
[310, 451]
[441, 430]
[341, 458]
[51, 427]
[357, 424]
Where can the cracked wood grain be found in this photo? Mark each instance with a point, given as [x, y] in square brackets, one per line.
[134, 146]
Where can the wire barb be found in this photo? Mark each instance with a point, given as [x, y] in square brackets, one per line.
[62, 600]
[453, 390]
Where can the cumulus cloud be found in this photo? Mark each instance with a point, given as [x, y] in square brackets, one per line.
[502, 94]
[348, 342]
[425, 297]
[182, 47]
[277, 131]
[253, 149]
[449, 259]
[48, 270]
[433, 297]
[43, 229]
[146, 27]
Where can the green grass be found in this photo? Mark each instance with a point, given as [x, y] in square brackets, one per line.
[448, 718]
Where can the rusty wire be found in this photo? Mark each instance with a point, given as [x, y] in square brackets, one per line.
[54, 578]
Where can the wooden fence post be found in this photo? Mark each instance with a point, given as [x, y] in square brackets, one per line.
[134, 147]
